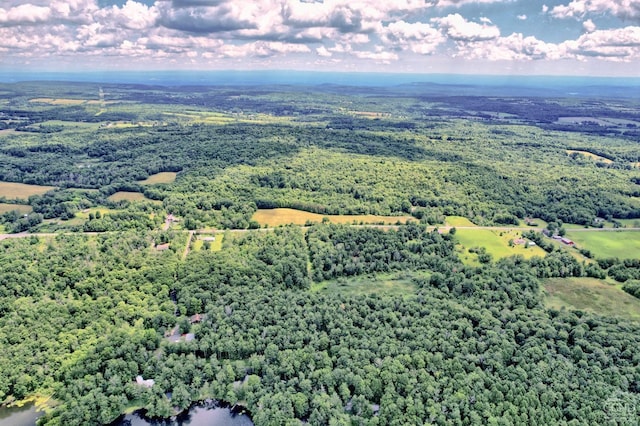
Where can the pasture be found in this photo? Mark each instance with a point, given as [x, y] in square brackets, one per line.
[4, 208]
[392, 284]
[458, 221]
[127, 196]
[622, 244]
[277, 217]
[589, 155]
[162, 177]
[496, 244]
[591, 295]
[22, 191]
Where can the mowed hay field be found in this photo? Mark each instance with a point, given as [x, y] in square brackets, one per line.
[622, 244]
[21, 191]
[128, 196]
[590, 155]
[591, 295]
[495, 242]
[277, 217]
[163, 177]
[4, 208]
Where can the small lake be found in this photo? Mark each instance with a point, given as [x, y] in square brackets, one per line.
[19, 416]
[203, 414]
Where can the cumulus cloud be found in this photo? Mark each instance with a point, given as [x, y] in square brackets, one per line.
[522, 17]
[624, 9]
[622, 44]
[24, 14]
[458, 28]
[589, 26]
[416, 37]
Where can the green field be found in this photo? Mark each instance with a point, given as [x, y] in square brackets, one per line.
[214, 245]
[592, 295]
[394, 284]
[4, 208]
[163, 177]
[21, 191]
[622, 244]
[277, 217]
[128, 196]
[458, 221]
[495, 242]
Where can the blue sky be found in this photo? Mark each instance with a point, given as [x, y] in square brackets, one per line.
[556, 37]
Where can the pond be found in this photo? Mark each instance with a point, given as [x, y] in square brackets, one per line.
[19, 416]
[202, 414]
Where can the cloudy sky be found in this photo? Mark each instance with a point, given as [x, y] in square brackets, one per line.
[563, 37]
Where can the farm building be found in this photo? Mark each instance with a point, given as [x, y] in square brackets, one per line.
[567, 241]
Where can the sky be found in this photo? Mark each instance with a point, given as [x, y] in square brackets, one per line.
[511, 37]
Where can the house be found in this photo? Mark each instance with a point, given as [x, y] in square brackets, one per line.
[171, 218]
[162, 247]
[197, 318]
[519, 241]
[209, 239]
[146, 383]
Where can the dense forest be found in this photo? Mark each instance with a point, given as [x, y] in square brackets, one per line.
[290, 322]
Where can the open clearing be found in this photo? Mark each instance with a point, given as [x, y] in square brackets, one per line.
[277, 217]
[128, 196]
[495, 242]
[4, 208]
[458, 221]
[215, 245]
[622, 244]
[163, 177]
[59, 101]
[590, 155]
[394, 284]
[22, 191]
[591, 295]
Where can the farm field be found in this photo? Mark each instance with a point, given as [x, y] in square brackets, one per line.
[162, 177]
[284, 216]
[5, 207]
[21, 191]
[591, 295]
[458, 221]
[495, 242]
[393, 284]
[128, 196]
[590, 155]
[622, 244]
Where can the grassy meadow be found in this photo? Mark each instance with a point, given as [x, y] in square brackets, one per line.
[162, 177]
[127, 196]
[5, 207]
[21, 191]
[591, 295]
[622, 244]
[215, 245]
[277, 217]
[495, 242]
[590, 155]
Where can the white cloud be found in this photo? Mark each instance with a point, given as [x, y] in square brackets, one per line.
[322, 51]
[589, 26]
[458, 28]
[622, 44]
[24, 14]
[624, 9]
[545, 8]
[510, 48]
[416, 37]
[379, 55]
[522, 17]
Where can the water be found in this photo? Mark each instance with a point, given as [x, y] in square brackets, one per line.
[19, 416]
[204, 414]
